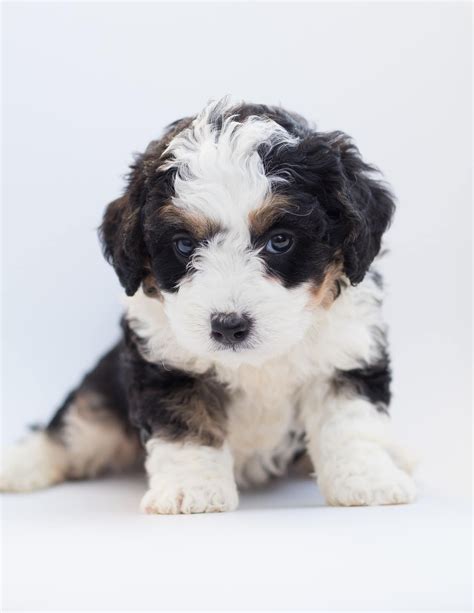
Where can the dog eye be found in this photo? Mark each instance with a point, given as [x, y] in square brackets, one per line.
[184, 246]
[279, 243]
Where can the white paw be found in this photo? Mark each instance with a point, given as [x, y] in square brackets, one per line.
[32, 464]
[374, 481]
[206, 497]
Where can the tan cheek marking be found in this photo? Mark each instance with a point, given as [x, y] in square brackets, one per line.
[150, 287]
[326, 292]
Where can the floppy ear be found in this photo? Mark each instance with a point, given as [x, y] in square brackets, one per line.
[122, 242]
[121, 232]
[368, 207]
[122, 236]
[358, 207]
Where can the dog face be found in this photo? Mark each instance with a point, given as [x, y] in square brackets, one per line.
[243, 220]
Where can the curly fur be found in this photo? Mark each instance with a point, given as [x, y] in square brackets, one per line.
[308, 370]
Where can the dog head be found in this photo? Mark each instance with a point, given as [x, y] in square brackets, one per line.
[243, 220]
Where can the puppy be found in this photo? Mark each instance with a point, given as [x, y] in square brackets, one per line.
[253, 335]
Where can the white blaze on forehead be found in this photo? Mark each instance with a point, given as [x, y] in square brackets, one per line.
[219, 171]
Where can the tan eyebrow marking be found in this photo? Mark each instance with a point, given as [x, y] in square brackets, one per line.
[197, 225]
[264, 216]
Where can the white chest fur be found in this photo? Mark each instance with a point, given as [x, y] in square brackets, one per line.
[264, 431]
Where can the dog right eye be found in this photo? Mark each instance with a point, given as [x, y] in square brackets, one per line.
[184, 246]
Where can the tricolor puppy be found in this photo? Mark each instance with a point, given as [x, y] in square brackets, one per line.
[253, 336]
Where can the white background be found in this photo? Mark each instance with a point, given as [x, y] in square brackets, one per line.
[87, 85]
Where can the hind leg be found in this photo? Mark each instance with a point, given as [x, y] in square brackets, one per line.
[89, 435]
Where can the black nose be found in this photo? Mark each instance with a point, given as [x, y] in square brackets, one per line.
[229, 328]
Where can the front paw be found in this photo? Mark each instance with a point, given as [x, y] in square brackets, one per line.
[212, 496]
[372, 480]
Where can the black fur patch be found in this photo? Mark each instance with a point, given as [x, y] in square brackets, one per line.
[105, 381]
[171, 403]
[371, 381]
[149, 398]
[312, 252]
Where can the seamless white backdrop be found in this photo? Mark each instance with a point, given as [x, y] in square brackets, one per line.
[86, 85]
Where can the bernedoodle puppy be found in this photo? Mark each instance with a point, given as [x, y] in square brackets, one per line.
[253, 336]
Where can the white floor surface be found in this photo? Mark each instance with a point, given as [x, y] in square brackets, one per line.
[86, 546]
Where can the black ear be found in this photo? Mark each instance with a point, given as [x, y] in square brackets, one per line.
[357, 206]
[368, 207]
[122, 236]
[122, 243]
[121, 232]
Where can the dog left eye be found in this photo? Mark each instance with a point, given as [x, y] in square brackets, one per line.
[184, 246]
[279, 243]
